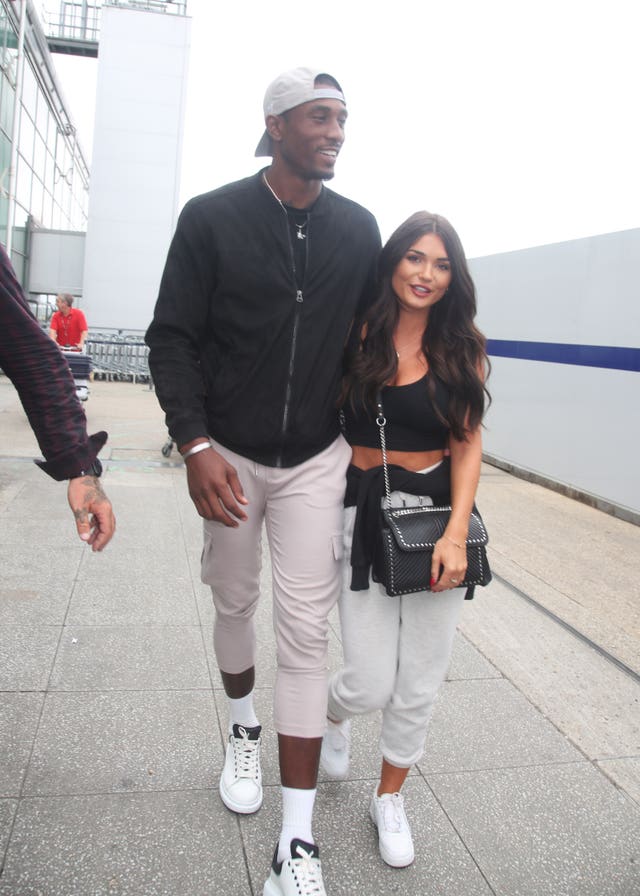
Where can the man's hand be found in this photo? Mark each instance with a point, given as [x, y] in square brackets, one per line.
[92, 509]
[215, 488]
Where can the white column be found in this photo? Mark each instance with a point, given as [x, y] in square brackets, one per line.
[135, 171]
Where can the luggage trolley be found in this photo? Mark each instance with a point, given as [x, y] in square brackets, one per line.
[80, 366]
[119, 357]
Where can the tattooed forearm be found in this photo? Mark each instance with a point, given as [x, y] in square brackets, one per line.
[92, 492]
[92, 511]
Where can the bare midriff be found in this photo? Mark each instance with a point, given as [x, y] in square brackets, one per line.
[366, 458]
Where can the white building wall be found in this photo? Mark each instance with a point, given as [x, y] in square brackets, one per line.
[574, 423]
[133, 204]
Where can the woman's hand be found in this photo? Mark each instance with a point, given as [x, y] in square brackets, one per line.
[448, 564]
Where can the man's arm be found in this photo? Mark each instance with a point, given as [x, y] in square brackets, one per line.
[44, 383]
[180, 326]
[175, 336]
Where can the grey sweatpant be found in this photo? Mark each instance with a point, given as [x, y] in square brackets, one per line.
[396, 655]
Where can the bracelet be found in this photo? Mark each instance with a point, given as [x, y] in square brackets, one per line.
[196, 448]
[454, 543]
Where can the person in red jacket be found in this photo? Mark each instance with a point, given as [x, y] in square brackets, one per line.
[68, 325]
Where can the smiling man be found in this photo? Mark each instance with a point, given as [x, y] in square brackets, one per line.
[262, 282]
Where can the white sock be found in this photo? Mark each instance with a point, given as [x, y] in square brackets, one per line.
[297, 812]
[241, 712]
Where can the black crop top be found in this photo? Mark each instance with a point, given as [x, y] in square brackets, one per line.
[412, 423]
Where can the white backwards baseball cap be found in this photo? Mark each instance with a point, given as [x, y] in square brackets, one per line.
[289, 90]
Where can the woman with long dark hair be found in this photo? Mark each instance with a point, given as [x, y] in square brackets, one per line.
[419, 352]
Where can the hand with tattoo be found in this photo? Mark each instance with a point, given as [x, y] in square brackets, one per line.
[92, 509]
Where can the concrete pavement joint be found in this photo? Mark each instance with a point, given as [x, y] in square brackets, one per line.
[601, 651]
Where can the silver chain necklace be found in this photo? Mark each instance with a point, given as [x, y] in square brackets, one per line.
[400, 350]
[299, 227]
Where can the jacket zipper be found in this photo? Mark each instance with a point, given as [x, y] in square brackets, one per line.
[294, 336]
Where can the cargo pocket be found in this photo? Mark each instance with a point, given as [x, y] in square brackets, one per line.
[206, 561]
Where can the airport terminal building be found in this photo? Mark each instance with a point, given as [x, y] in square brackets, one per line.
[44, 177]
[58, 231]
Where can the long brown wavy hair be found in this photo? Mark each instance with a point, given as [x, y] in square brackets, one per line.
[454, 347]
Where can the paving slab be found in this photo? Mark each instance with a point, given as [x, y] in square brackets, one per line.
[124, 741]
[19, 715]
[14, 474]
[32, 600]
[140, 844]
[625, 773]
[550, 830]
[136, 592]
[468, 663]
[7, 813]
[132, 657]
[581, 563]
[586, 696]
[489, 724]
[27, 653]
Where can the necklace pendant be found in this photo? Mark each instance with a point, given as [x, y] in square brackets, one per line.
[301, 235]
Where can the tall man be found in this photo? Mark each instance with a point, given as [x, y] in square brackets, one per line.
[261, 284]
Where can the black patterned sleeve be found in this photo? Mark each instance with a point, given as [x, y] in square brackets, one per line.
[41, 375]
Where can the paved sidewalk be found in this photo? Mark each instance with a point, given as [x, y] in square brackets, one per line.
[112, 714]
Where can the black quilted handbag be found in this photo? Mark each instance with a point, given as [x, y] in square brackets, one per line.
[402, 561]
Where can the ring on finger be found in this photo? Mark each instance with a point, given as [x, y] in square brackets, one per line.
[453, 581]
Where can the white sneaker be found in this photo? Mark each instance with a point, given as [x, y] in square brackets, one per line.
[301, 875]
[334, 753]
[241, 779]
[394, 834]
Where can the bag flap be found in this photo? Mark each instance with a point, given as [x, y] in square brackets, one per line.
[418, 528]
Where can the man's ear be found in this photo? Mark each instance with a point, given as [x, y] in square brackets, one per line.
[275, 125]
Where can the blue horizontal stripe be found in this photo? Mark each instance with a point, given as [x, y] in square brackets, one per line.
[611, 357]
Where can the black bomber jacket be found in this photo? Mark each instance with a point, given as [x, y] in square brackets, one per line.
[237, 351]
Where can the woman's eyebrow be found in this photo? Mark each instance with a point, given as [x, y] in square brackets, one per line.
[424, 254]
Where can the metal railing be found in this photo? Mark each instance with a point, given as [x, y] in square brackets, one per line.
[118, 357]
[79, 20]
[172, 7]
